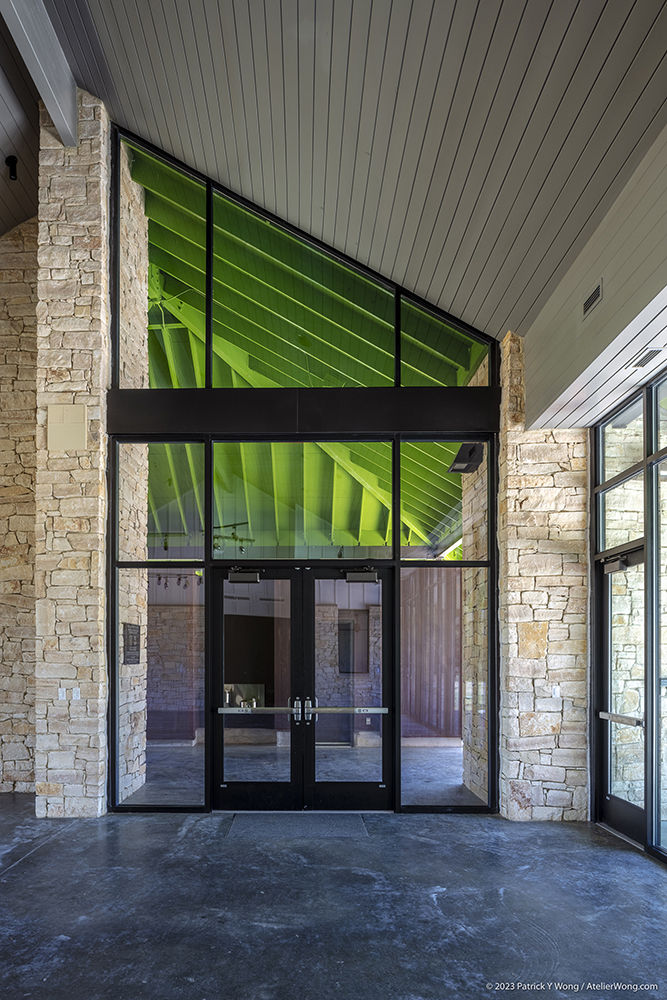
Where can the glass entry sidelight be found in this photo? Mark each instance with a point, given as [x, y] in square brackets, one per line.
[621, 719]
[302, 689]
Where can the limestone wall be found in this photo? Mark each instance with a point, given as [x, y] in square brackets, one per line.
[132, 681]
[71, 501]
[132, 483]
[18, 355]
[474, 679]
[627, 683]
[543, 610]
[175, 652]
[475, 621]
[335, 688]
[133, 279]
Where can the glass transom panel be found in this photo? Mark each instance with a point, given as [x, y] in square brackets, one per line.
[302, 499]
[622, 513]
[622, 440]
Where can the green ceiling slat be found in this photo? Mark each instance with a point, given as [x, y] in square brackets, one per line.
[285, 333]
[178, 494]
[198, 355]
[362, 510]
[230, 249]
[195, 483]
[159, 373]
[153, 509]
[173, 186]
[274, 483]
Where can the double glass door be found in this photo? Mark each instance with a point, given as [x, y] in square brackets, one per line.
[302, 690]
[621, 715]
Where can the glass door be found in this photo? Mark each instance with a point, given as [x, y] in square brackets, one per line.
[302, 693]
[621, 718]
[349, 760]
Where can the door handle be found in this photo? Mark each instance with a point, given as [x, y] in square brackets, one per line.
[341, 710]
[623, 720]
[294, 710]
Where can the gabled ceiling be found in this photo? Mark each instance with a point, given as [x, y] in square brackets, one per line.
[465, 149]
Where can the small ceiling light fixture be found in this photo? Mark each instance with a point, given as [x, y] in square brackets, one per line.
[11, 162]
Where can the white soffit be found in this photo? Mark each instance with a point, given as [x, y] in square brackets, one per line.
[613, 375]
[464, 149]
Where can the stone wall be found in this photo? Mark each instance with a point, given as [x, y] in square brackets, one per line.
[543, 610]
[71, 501]
[132, 483]
[133, 279]
[132, 681]
[18, 355]
[175, 651]
[475, 620]
[335, 688]
[627, 682]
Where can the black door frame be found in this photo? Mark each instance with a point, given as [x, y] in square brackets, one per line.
[303, 792]
[625, 817]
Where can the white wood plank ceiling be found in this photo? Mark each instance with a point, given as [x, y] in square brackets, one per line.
[464, 148]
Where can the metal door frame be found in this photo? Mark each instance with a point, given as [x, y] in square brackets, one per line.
[303, 791]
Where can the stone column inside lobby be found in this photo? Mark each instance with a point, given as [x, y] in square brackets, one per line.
[71, 487]
[542, 540]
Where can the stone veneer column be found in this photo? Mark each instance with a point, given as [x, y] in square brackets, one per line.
[18, 350]
[72, 356]
[542, 537]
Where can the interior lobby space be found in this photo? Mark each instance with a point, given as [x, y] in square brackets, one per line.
[294, 905]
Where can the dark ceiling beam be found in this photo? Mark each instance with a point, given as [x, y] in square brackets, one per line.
[42, 53]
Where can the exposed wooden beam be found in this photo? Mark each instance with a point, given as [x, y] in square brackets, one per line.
[35, 38]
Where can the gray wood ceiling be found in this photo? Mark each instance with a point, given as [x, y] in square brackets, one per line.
[464, 149]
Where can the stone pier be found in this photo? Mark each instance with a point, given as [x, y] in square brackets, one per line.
[542, 538]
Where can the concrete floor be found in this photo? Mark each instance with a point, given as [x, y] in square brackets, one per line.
[404, 907]
[430, 776]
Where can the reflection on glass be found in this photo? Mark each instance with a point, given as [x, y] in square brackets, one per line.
[444, 671]
[256, 674]
[348, 674]
[622, 440]
[444, 514]
[434, 353]
[286, 500]
[662, 690]
[161, 687]
[286, 314]
[622, 513]
[626, 682]
[661, 408]
[162, 250]
[160, 501]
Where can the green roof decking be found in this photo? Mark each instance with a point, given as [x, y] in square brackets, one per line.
[283, 312]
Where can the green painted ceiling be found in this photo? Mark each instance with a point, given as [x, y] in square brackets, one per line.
[286, 314]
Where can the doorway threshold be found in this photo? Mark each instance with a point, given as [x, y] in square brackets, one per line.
[622, 836]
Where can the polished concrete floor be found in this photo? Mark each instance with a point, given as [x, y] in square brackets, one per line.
[430, 776]
[304, 907]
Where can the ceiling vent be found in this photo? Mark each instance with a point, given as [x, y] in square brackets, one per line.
[646, 358]
[593, 299]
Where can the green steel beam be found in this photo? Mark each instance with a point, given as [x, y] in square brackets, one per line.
[178, 496]
[274, 483]
[195, 484]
